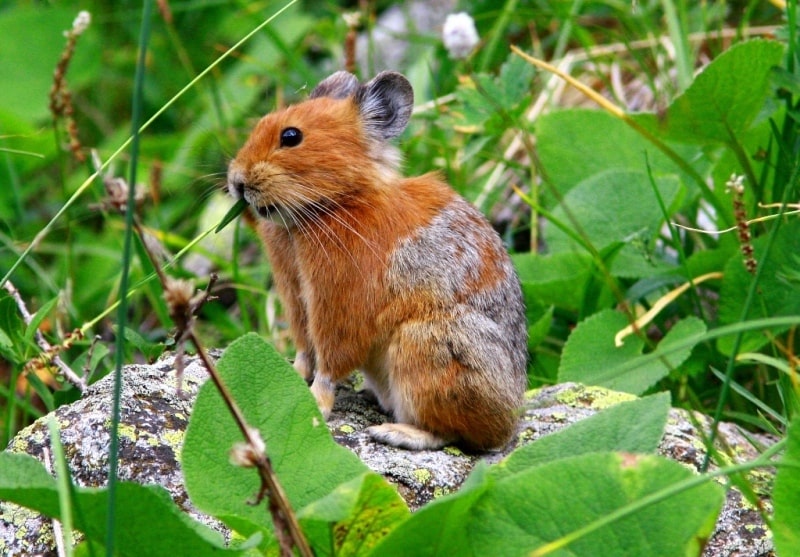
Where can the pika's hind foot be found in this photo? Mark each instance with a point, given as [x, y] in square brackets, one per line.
[406, 436]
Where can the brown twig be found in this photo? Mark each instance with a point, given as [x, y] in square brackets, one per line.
[353, 20]
[735, 186]
[60, 96]
[49, 352]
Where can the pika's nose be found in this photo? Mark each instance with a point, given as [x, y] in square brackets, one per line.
[236, 183]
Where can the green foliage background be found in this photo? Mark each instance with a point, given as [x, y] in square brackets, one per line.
[607, 212]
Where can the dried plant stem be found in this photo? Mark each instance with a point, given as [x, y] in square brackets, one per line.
[50, 354]
[352, 20]
[60, 95]
[660, 304]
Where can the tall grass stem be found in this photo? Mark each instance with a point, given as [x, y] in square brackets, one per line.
[136, 115]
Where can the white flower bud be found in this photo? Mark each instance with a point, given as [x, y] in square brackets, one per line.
[81, 22]
[459, 35]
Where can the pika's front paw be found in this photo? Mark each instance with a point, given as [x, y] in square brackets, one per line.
[406, 436]
[302, 364]
[324, 391]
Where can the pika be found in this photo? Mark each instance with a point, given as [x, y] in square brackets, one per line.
[398, 277]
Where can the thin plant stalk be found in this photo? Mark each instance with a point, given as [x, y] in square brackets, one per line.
[748, 303]
[64, 486]
[676, 25]
[136, 114]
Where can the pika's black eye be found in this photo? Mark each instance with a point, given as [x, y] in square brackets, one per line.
[291, 137]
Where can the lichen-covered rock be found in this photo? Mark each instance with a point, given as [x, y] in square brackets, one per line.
[154, 418]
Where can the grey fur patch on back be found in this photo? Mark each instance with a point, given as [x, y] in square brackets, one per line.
[443, 261]
[339, 85]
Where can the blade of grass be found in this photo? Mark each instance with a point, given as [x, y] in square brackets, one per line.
[496, 34]
[64, 486]
[127, 254]
[676, 239]
[676, 25]
[750, 397]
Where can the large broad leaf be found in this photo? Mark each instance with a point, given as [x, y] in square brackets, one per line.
[147, 521]
[591, 357]
[786, 496]
[594, 497]
[565, 496]
[613, 206]
[577, 144]
[778, 291]
[616, 206]
[558, 279]
[726, 98]
[275, 400]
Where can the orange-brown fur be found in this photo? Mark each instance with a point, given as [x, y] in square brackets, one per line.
[352, 301]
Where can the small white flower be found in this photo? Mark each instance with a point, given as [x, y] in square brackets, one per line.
[459, 35]
[352, 19]
[735, 183]
[81, 23]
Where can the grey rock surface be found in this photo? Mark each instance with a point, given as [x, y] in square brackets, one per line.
[155, 415]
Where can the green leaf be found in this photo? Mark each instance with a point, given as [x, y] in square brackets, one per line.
[590, 356]
[489, 101]
[727, 97]
[613, 206]
[237, 209]
[786, 495]
[5, 342]
[440, 528]
[554, 280]
[594, 497]
[574, 146]
[538, 329]
[776, 294]
[148, 521]
[355, 517]
[609, 430]
[560, 498]
[37, 319]
[276, 401]
[150, 350]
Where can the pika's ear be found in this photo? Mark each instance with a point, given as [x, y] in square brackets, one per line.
[385, 104]
[338, 86]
